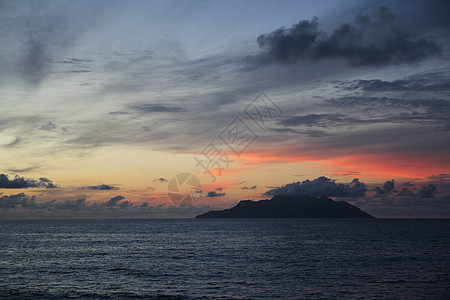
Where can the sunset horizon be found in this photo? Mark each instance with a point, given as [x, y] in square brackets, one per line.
[116, 102]
[224, 149]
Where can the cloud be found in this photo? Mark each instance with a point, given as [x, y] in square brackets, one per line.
[439, 177]
[71, 204]
[249, 188]
[114, 201]
[309, 132]
[102, 187]
[377, 110]
[23, 206]
[48, 127]
[370, 40]
[117, 202]
[322, 120]
[430, 200]
[70, 60]
[291, 44]
[22, 170]
[35, 35]
[215, 194]
[7, 202]
[427, 191]
[24, 201]
[125, 204]
[405, 192]
[406, 206]
[22, 183]
[414, 84]
[387, 188]
[161, 179]
[150, 108]
[321, 186]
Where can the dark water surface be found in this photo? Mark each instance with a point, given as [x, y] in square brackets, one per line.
[239, 259]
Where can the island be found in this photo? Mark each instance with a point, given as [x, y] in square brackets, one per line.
[290, 206]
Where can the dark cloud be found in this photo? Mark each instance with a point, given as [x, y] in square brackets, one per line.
[21, 205]
[249, 188]
[7, 202]
[117, 202]
[363, 110]
[70, 60]
[430, 200]
[76, 71]
[215, 194]
[119, 113]
[419, 84]
[323, 120]
[309, 132]
[161, 179]
[321, 186]
[406, 206]
[405, 192]
[40, 31]
[27, 202]
[407, 184]
[378, 110]
[71, 204]
[387, 188]
[285, 45]
[150, 108]
[52, 127]
[125, 204]
[33, 65]
[22, 183]
[427, 191]
[102, 187]
[35, 35]
[439, 177]
[114, 201]
[417, 138]
[48, 127]
[22, 170]
[369, 40]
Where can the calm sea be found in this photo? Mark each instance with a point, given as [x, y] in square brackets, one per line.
[231, 259]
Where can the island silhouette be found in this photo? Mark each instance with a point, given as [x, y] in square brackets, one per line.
[290, 206]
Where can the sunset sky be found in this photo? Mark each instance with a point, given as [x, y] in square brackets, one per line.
[102, 103]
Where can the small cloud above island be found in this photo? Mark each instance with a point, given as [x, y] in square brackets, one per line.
[321, 186]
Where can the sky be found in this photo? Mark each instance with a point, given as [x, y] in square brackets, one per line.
[168, 109]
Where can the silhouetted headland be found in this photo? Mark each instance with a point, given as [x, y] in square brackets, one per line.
[290, 206]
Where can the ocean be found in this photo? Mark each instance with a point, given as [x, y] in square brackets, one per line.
[225, 259]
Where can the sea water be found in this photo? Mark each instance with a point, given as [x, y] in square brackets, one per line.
[225, 258]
